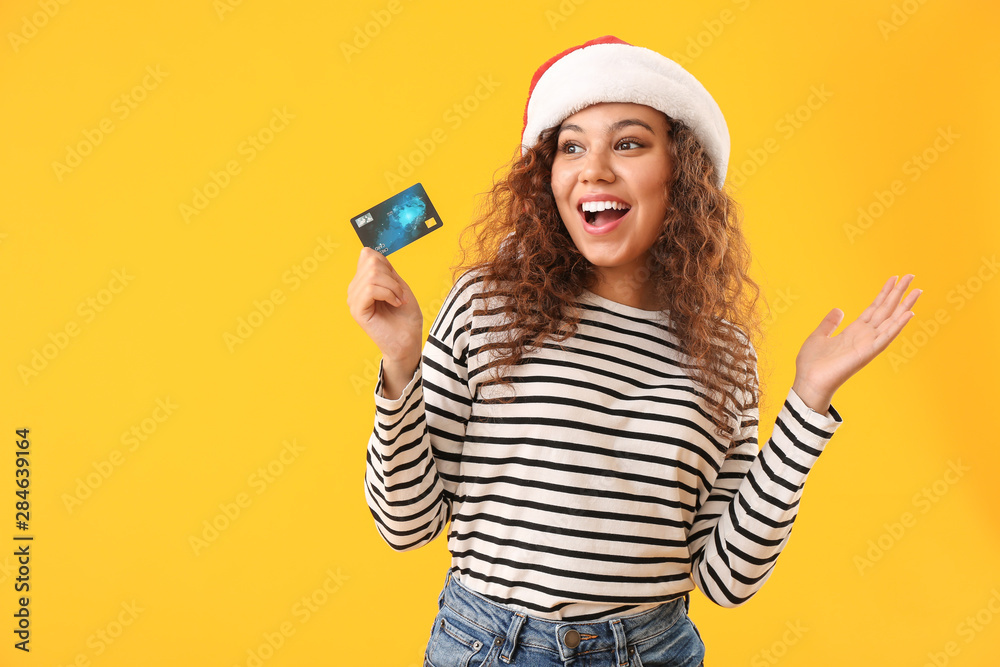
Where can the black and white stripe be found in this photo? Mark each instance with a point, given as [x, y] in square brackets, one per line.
[601, 489]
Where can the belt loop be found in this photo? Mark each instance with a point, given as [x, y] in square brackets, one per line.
[621, 646]
[510, 643]
[444, 588]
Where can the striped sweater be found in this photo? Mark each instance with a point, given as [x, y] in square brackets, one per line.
[602, 489]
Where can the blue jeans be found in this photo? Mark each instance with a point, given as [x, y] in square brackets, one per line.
[472, 631]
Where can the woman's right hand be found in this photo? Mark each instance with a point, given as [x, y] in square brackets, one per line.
[382, 304]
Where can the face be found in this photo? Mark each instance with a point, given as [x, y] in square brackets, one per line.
[619, 153]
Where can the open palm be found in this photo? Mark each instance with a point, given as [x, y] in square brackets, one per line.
[825, 362]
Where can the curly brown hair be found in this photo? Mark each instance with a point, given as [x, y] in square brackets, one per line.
[698, 268]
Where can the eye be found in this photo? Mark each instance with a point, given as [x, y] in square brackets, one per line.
[565, 146]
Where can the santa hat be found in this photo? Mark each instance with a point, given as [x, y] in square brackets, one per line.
[608, 69]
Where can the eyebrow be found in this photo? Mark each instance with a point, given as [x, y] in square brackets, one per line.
[613, 127]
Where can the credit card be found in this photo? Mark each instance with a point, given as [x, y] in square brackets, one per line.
[398, 221]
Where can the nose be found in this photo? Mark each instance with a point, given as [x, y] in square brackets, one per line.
[597, 166]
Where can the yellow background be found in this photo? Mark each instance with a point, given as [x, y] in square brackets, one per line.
[894, 75]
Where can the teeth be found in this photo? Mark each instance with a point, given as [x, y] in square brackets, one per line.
[595, 206]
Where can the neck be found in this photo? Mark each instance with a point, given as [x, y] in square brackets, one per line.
[624, 289]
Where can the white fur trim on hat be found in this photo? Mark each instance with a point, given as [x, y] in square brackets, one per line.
[626, 73]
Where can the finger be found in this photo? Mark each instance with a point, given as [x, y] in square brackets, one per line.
[901, 315]
[908, 302]
[830, 323]
[905, 305]
[367, 256]
[404, 286]
[891, 300]
[383, 283]
[362, 306]
[895, 325]
[362, 287]
[866, 315]
[369, 268]
[884, 292]
[386, 294]
[378, 258]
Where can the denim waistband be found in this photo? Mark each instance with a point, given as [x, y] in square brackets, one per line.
[566, 638]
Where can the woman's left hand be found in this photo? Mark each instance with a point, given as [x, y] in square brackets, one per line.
[824, 363]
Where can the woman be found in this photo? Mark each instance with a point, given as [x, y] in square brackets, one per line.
[584, 411]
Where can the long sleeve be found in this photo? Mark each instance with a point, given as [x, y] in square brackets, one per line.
[600, 489]
[414, 451]
[742, 527]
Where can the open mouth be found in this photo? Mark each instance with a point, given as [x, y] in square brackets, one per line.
[598, 213]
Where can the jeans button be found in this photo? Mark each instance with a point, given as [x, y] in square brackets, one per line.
[572, 639]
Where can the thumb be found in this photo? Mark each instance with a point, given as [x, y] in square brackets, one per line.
[830, 323]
